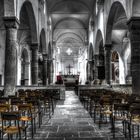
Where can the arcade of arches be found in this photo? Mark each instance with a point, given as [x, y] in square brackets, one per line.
[44, 41]
[99, 41]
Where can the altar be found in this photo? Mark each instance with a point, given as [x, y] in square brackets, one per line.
[70, 80]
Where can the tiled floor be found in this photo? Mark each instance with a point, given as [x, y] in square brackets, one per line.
[71, 121]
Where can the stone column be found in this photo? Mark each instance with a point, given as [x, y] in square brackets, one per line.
[48, 71]
[34, 65]
[91, 64]
[45, 69]
[26, 74]
[134, 28]
[11, 25]
[96, 59]
[108, 48]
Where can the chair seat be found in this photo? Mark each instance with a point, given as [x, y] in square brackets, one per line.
[25, 118]
[120, 117]
[11, 130]
[136, 120]
[107, 112]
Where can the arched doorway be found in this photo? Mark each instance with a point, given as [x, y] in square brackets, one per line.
[24, 68]
[116, 33]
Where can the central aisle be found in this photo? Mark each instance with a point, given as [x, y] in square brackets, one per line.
[71, 121]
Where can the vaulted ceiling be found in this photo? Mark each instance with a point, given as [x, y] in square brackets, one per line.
[70, 23]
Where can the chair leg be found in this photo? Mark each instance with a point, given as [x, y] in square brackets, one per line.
[32, 128]
[113, 125]
[95, 113]
[39, 119]
[8, 137]
[132, 131]
[25, 134]
[138, 131]
[123, 124]
[19, 134]
[100, 119]
[34, 124]
[129, 129]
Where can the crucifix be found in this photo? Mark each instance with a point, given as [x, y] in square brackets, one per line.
[69, 67]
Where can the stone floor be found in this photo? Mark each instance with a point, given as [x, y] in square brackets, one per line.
[71, 121]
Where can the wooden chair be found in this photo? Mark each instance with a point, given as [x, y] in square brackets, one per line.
[11, 125]
[27, 116]
[106, 107]
[133, 121]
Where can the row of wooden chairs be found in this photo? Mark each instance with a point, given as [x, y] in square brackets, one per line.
[109, 106]
[24, 110]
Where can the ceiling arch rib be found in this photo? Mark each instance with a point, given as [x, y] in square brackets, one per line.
[27, 12]
[70, 35]
[117, 24]
[70, 41]
[70, 6]
[69, 44]
[71, 23]
[80, 33]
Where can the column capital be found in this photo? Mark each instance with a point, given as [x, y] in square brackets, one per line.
[11, 22]
[100, 2]
[34, 46]
[134, 28]
[45, 56]
[108, 46]
[134, 23]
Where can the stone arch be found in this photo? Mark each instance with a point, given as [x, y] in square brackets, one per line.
[41, 65]
[99, 41]
[70, 21]
[24, 67]
[99, 72]
[117, 14]
[42, 47]
[28, 8]
[71, 5]
[116, 33]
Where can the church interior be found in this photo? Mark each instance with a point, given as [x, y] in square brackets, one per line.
[70, 69]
